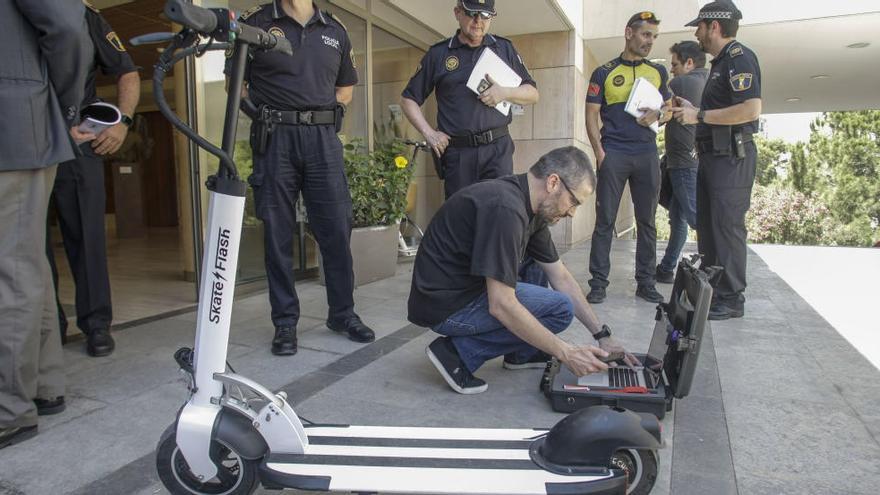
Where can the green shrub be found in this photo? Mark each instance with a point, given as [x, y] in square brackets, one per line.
[378, 182]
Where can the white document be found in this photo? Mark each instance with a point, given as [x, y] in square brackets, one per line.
[490, 63]
[99, 116]
[644, 95]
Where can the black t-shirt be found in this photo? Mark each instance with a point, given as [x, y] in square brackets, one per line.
[110, 54]
[322, 60]
[483, 230]
[680, 137]
[446, 67]
[735, 77]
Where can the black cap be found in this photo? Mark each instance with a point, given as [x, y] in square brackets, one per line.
[487, 6]
[717, 11]
[642, 16]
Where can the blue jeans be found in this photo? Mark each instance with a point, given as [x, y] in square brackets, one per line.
[532, 273]
[479, 337]
[682, 212]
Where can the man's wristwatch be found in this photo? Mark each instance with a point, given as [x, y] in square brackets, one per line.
[605, 332]
[127, 120]
[700, 115]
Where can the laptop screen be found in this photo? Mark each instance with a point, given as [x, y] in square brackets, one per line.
[657, 349]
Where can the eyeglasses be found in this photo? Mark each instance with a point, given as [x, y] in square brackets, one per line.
[477, 13]
[574, 198]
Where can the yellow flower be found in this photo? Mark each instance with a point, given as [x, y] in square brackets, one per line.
[400, 162]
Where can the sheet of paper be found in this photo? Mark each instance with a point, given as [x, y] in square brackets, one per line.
[644, 95]
[490, 63]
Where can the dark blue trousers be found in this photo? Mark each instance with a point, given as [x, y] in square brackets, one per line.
[305, 159]
[466, 165]
[724, 192]
[78, 196]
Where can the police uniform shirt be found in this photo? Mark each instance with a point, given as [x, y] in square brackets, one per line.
[734, 78]
[446, 67]
[322, 60]
[610, 85]
[680, 137]
[110, 53]
[484, 230]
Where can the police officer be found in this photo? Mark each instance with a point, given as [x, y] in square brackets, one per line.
[626, 151]
[472, 141]
[296, 149]
[78, 194]
[726, 120]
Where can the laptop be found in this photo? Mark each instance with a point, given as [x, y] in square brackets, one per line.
[648, 375]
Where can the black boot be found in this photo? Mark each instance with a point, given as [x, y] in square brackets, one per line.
[99, 343]
[284, 343]
[357, 331]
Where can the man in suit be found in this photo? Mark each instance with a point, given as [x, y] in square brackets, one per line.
[45, 55]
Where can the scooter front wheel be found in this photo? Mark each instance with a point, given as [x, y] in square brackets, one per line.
[235, 475]
[640, 467]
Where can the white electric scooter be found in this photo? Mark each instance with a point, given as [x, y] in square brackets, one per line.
[233, 434]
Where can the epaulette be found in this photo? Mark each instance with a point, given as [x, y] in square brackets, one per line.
[91, 7]
[335, 18]
[249, 12]
[610, 65]
[735, 51]
[444, 41]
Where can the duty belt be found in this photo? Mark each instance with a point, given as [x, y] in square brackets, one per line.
[300, 117]
[480, 138]
[706, 146]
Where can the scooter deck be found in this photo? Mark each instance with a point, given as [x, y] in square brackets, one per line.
[371, 459]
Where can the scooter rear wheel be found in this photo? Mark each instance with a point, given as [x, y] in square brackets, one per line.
[235, 475]
[640, 467]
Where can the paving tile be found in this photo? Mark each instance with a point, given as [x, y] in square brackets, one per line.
[801, 439]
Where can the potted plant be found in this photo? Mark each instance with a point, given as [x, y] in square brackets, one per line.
[378, 181]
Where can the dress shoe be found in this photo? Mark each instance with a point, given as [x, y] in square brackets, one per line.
[721, 311]
[649, 293]
[16, 434]
[663, 276]
[284, 343]
[99, 343]
[355, 328]
[50, 406]
[596, 295]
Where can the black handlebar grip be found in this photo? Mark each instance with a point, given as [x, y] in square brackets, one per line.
[202, 20]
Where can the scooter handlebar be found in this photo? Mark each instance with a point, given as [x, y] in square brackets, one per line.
[196, 18]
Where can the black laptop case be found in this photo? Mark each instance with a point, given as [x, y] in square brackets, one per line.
[683, 319]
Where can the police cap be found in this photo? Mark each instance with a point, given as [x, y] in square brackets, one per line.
[487, 6]
[717, 11]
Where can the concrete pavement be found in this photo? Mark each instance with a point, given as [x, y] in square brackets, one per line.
[782, 403]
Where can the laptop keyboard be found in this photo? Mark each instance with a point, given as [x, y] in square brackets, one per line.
[622, 377]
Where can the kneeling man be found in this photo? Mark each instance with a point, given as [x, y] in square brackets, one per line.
[464, 283]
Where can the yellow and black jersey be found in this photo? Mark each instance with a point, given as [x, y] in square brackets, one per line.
[610, 86]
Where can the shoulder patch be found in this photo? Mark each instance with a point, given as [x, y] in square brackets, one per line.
[91, 7]
[335, 18]
[249, 12]
[741, 81]
[609, 65]
[736, 51]
[114, 41]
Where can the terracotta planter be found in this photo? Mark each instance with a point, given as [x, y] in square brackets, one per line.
[373, 252]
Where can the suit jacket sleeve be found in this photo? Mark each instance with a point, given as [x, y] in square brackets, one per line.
[64, 42]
